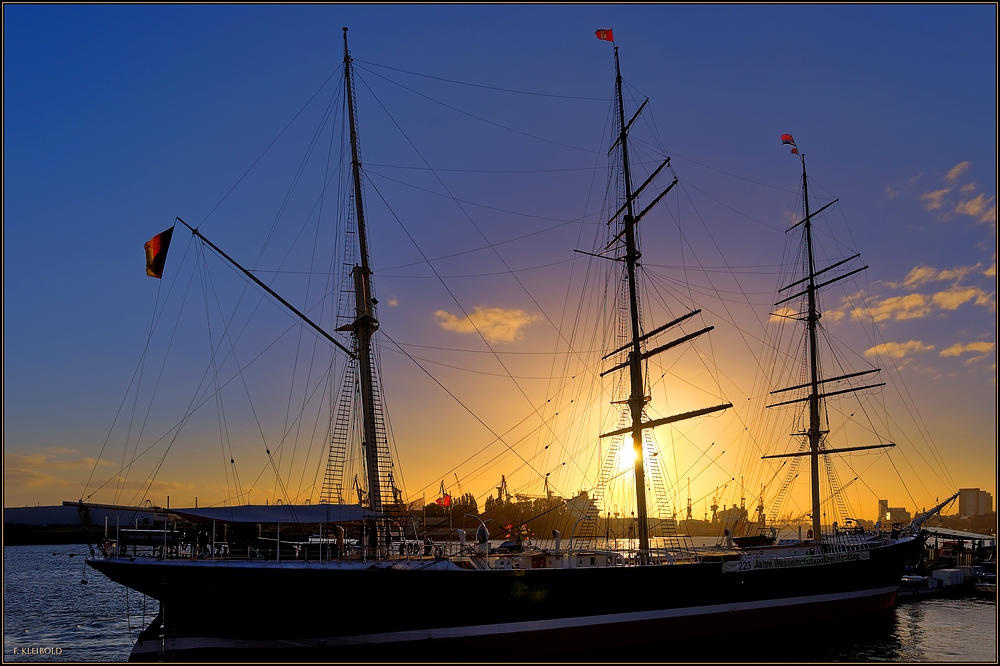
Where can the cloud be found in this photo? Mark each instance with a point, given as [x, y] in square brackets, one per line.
[991, 271]
[990, 215]
[29, 478]
[392, 302]
[495, 324]
[891, 192]
[935, 199]
[975, 347]
[898, 349]
[918, 306]
[834, 315]
[979, 208]
[784, 313]
[952, 298]
[957, 171]
[921, 275]
[911, 306]
[56, 450]
[47, 462]
[45, 469]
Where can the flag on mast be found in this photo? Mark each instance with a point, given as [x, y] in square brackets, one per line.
[156, 252]
[606, 35]
[787, 139]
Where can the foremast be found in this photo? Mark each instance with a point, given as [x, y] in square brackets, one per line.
[815, 432]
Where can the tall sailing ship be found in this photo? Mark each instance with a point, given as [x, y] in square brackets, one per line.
[352, 597]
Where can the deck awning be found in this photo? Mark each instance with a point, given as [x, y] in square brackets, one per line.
[945, 533]
[279, 513]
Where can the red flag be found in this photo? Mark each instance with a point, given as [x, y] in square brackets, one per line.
[156, 252]
[444, 501]
[606, 35]
[787, 139]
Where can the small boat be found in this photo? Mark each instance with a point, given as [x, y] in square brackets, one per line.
[985, 585]
[918, 587]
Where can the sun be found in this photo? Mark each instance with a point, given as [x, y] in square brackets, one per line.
[626, 457]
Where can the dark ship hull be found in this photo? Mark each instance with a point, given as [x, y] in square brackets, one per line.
[247, 610]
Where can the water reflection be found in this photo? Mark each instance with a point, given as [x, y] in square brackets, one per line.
[930, 630]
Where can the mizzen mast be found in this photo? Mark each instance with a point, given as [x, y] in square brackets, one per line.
[812, 321]
[815, 433]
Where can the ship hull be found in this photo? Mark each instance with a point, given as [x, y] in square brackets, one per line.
[331, 611]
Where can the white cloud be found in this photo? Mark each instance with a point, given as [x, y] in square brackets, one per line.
[990, 215]
[978, 208]
[911, 306]
[834, 315]
[957, 171]
[952, 298]
[974, 347]
[784, 313]
[495, 324]
[935, 199]
[899, 349]
[923, 274]
[918, 306]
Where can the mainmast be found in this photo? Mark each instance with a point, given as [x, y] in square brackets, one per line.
[365, 323]
[637, 398]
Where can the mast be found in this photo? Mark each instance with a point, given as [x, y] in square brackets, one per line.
[812, 320]
[365, 323]
[815, 433]
[637, 393]
[637, 398]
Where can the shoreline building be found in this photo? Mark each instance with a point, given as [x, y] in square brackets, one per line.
[889, 514]
[974, 502]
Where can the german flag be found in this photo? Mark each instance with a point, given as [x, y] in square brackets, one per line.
[156, 252]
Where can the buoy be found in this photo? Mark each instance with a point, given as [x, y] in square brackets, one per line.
[83, 582]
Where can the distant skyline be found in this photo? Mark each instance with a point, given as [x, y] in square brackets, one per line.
[119, 118]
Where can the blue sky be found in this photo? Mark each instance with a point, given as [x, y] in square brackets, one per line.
[117, 119]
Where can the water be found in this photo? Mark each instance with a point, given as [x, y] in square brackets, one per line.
[47, 607]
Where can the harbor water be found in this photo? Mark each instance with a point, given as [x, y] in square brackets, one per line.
[50, 614]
